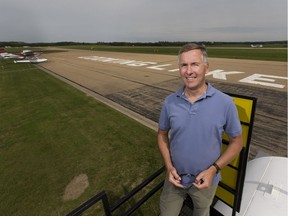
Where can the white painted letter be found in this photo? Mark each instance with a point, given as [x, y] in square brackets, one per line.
[158, 67]
[254, 79]
[220, 74]
[140, 63]
[173, 70]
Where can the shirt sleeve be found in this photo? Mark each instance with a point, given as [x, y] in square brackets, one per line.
[233, 124]
[164, 123]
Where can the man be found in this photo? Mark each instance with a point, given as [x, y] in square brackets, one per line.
[196, 116]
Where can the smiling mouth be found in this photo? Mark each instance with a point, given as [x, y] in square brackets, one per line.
[190, 78]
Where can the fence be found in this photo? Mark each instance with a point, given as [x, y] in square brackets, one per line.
[230, 188]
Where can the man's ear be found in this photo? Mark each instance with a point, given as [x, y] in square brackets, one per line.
[207, 68]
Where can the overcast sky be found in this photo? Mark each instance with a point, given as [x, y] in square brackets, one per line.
[142, 20]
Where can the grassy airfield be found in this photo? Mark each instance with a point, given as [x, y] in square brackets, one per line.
[266, 54]
[270, 52]
[51, 133]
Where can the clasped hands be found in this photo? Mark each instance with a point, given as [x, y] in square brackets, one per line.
[201, 181]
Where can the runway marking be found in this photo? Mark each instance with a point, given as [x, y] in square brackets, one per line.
[160, 67]
[254, 79]
[220, 74]
[262, 79]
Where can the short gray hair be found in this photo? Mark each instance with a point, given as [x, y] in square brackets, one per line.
[194, 46]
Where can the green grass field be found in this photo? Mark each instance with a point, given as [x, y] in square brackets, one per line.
[50, 132]
[266, 54]
[271, 52]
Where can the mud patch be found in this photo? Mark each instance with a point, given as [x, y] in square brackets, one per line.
[76, 187]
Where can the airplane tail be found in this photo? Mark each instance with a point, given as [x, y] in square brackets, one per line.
[3, 50]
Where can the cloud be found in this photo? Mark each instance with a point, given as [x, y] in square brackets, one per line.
[142, 20]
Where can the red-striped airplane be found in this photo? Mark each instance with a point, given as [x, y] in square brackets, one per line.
[23, 57]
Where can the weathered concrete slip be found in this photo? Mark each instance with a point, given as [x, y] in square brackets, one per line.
[270, 124]
[140, 91]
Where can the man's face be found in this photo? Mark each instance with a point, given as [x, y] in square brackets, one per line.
[192, 69]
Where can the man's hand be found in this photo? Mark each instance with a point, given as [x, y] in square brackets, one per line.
[174, 178]
[204, 179]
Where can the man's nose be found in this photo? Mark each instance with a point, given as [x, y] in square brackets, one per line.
[189, 69]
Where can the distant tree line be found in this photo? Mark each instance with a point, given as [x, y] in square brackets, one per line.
[159, 43]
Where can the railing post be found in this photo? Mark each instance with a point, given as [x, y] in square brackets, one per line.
[108, 210]
[100, 196]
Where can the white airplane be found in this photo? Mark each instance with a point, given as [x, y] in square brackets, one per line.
[256, 46]
[265, 189]
[24, 56]
[4, 54]
[31, 60]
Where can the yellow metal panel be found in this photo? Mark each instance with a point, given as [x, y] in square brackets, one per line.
[225, 195]
[235, 162]
[244, 107]
[245, 133]
[230, 175]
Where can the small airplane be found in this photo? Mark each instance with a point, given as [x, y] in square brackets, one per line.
[31, 60]
[256, 46]
[4, 54]
[265, 188]
[24, 56]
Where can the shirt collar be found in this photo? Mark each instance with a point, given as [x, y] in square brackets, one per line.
[210, 91]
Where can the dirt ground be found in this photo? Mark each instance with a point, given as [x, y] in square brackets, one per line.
[138, 84]
[76, 187]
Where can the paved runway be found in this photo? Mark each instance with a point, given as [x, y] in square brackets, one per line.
[140, 82]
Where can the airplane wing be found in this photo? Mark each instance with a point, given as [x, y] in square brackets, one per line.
[31, 60]
[265, 189]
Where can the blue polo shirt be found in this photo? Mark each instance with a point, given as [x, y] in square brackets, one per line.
[196, 129]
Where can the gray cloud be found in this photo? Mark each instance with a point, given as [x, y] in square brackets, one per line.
[142, 20]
